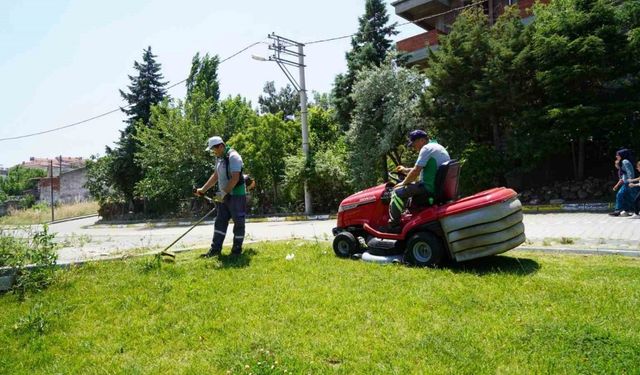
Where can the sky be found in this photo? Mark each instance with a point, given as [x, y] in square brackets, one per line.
[63, 61]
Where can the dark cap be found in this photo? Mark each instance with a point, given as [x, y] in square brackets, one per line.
[415, 135]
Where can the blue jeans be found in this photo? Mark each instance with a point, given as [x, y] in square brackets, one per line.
[624, 198]
[232, 207]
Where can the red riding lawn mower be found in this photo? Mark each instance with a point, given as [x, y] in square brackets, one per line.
[486, 223]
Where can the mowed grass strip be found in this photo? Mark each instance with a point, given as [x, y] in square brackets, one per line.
[41, 213]
[263, 314]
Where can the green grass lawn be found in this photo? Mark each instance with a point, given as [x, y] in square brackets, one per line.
[262, 314]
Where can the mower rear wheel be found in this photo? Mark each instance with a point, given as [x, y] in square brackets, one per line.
[345, 244]
[424, 249]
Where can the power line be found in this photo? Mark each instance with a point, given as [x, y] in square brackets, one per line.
[120, 108]
[226, 59]
[330, 39]
[402, 24]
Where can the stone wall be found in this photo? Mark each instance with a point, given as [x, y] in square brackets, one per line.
[591, 189]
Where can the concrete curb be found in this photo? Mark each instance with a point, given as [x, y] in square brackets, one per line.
[71, 219]
[183, 222]
[568, 250]
[568, 207]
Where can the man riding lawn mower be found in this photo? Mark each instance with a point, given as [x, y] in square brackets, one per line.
[424, 223]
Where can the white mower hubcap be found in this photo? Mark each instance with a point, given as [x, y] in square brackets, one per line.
[422, 252]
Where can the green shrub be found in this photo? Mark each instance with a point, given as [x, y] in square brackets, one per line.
[26, 202]
[481, 169]
[33, 258]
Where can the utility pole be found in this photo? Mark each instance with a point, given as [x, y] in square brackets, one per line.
[51, 186]
[282, 48]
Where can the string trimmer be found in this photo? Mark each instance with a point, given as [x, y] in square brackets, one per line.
[171, 254]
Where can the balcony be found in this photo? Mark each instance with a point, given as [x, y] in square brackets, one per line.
[414, 10]
[416, 42]
[417, 47]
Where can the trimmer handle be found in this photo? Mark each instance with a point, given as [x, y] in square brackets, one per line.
[195, 192]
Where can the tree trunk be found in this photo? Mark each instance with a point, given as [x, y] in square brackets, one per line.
[275, 192]
[580, 175]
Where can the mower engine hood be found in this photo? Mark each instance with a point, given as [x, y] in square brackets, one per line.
[361, 198]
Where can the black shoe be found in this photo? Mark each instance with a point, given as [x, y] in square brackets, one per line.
[614, 213]
[236, 252]
[211, 254]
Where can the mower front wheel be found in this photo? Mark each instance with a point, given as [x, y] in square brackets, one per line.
[424, 249]
[345, 244]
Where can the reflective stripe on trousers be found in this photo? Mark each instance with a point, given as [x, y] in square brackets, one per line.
[232, 207]
[399, 200]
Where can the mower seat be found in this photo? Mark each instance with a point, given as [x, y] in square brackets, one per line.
[447, 177]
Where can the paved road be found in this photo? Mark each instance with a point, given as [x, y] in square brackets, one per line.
[82, 239]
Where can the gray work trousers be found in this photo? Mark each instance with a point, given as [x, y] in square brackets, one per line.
[232, 207]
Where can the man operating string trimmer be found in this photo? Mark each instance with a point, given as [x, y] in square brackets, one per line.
[232, 198]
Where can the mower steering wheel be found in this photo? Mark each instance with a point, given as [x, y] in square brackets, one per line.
[396, 177]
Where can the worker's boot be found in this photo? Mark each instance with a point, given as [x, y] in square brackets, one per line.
[211, 253]
[236, 251]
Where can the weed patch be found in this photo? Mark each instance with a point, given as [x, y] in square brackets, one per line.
[33, 260]
[36, 322]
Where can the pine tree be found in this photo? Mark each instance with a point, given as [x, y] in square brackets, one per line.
[369, 47]
[146, 90]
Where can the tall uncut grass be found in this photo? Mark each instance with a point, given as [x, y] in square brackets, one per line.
[263, 314]
[41, 213]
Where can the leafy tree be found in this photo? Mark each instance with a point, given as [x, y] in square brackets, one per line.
[146, 90]
[369, 47]
[172, 147]
[264, 144]
[20, 179]
[323, 128]
[203, 78]
[172, 153]
[452, 99]
[287, 100]
[581, 52]
[387, 107]
[100, 182]
[328, 172]
[327, 165]
[323, 100]
[234, 115]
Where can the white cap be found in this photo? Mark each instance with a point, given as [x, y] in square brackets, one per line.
[213, 141]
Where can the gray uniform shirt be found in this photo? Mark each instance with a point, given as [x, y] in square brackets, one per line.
[432, 155]
[235, 165]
